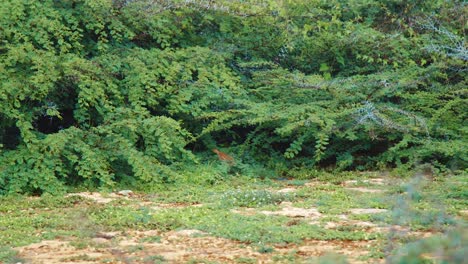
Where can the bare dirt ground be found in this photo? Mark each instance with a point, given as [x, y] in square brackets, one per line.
[188, 246]
[179, 247]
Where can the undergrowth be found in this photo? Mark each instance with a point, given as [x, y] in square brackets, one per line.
[415, 205]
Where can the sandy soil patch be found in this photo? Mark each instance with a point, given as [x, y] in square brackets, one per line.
[179, 247]
[313, 183]
[464, 213]
[375, 181]
[160, 206]
[367, 211]
[55, 251]
[402, 231]
[356, 223]
[246, 211]
[97, 197]
[390, 230]
[289, 210]
[363, 189]
[353, 250]
[189, 232]
[286, 190]
[286, 210]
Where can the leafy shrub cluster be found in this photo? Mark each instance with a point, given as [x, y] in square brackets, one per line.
[97, 92]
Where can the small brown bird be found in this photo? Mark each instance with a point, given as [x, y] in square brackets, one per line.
[224, 157]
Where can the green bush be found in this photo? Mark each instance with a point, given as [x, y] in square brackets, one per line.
[95, 93]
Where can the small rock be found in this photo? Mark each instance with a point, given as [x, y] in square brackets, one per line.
[99, 240]
[375, 181]
[342, 216]
[310, 213]
[312, 183]
[361, 189]
[331, 225]
[107, 235]
[368, 211]
[190, 232]
[286, 190]
[125, 193]
[364, 224]
[97, 197]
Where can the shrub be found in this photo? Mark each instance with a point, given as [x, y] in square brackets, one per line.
[102, 92]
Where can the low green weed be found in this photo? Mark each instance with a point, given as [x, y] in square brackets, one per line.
[150, 239]
[265, 249]
[329, 258]
[450, 247]
[244, 260]
[8, 255]
[154, 259]
[79, 258]
[253, 198]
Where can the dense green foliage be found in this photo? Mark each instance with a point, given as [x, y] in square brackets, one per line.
[96, 92]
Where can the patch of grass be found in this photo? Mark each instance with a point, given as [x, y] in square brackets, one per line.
[201, 261]
[108, 260]
[339, 177]
[184, 194]
[135, 248]
[253, 198]
[150, 239]
[28, 220]
[80, 244]
[246, 260]
[192, 192]
[22, 228]
[326, 176]
[296, 182]
[375, 252]
[291, 257]
[17, 231]
[220, 222]
[265, 249]
[332, 199]
[82, 257]
[256, 228]
[123, 217]
[379, 217]
[45, 202]
[154, 259]
[329, 258]
[424, 205]
[328, 199]
[448, 248]
[368, 200]
[8, 255]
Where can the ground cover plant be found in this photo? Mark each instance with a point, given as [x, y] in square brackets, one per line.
[250, 126]
[402, 222]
